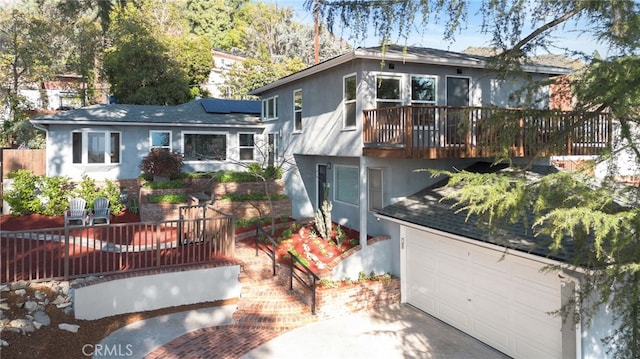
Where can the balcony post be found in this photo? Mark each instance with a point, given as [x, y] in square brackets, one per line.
[407, 117]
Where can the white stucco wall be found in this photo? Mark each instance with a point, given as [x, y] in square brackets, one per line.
[149, 292]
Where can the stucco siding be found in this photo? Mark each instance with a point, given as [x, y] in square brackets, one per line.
[134, 145]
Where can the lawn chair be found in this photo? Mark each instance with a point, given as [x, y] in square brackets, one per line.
[77, 211]
[101, 210]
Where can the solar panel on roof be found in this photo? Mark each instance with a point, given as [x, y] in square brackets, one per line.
[216, 105]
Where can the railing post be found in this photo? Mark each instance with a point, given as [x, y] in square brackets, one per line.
[313, 297]
[66, 251]
[290, 272]
[256, 240]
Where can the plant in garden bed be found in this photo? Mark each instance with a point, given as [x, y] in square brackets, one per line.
[50, 195]
[160, 163]
[317, 251]
[174, 198]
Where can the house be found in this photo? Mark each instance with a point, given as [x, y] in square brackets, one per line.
[222, 64]
[109, 141]
[360, 125]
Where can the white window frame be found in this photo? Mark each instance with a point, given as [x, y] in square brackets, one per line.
[270, 102]
[347, 102]
[253, 148]
[435, 90]
[226, 135]
[354, 189]
[401, 95]
[152, 146]
[84, 157]
[371, 191]
[297, 111]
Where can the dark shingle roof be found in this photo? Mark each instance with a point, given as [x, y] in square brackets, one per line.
[425, 208]
[201, 112]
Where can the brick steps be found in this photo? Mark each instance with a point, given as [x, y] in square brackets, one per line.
[264, 300]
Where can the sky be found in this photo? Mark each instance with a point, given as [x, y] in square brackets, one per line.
[573, 37]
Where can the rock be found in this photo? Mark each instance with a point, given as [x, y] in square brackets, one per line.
[42, 317]
[39, 295]
[30, 306]
[63, 288]
[19, 304]
[23, 325]
[73, 328]
[64, 305]
[59, 300]
[21, 284]
[68, 310]
[4, 306]
[37, 325]
[21, 292]
[3, 343]
[5, 288]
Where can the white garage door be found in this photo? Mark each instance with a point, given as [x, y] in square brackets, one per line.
[501, 301]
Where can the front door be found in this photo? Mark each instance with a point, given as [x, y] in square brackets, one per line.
[457, 113]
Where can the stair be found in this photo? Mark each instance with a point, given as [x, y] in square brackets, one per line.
[264, 300]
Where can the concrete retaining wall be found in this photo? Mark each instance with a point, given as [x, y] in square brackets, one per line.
[155, 291]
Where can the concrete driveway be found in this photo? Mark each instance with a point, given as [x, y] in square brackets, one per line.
[396, 332]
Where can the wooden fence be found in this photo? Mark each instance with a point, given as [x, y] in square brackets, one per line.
[32, 160]
[78, 251]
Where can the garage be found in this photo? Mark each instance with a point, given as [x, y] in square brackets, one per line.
[501, 300]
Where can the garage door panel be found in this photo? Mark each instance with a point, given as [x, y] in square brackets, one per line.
[502, 301]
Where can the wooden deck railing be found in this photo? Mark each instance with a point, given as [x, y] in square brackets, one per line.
[461, 132]
[77, 251]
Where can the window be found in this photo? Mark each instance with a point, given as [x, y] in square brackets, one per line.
[297, 110]
[247, 145]
[347, 182]
[423, 89]
[95, 147]
[374, 181]
[272, 149]
[205, 147]
[349, 98]
[270, 108]
[388, 92]
[160, 139]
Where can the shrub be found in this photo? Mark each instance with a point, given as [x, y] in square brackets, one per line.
[244, 197]
[23, 197]
[50, 195]
[164, 185]
[162, 163]
[268, 174]
[168, 198]
[55, 194]
[234, 176]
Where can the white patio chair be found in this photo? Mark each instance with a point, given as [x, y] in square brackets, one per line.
[100, 211]
[77, 211]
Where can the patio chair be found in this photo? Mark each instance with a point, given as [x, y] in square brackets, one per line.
[100, 211]
[77, 211]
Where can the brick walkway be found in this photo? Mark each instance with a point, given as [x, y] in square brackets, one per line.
[266, 309]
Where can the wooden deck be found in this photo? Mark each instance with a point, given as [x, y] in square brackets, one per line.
[436, 132]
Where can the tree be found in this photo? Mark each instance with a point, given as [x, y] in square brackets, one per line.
[259, 71]
[570, 210]
[138, 65]
[28, 42]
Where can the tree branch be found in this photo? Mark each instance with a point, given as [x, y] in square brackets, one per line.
[546, 27]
